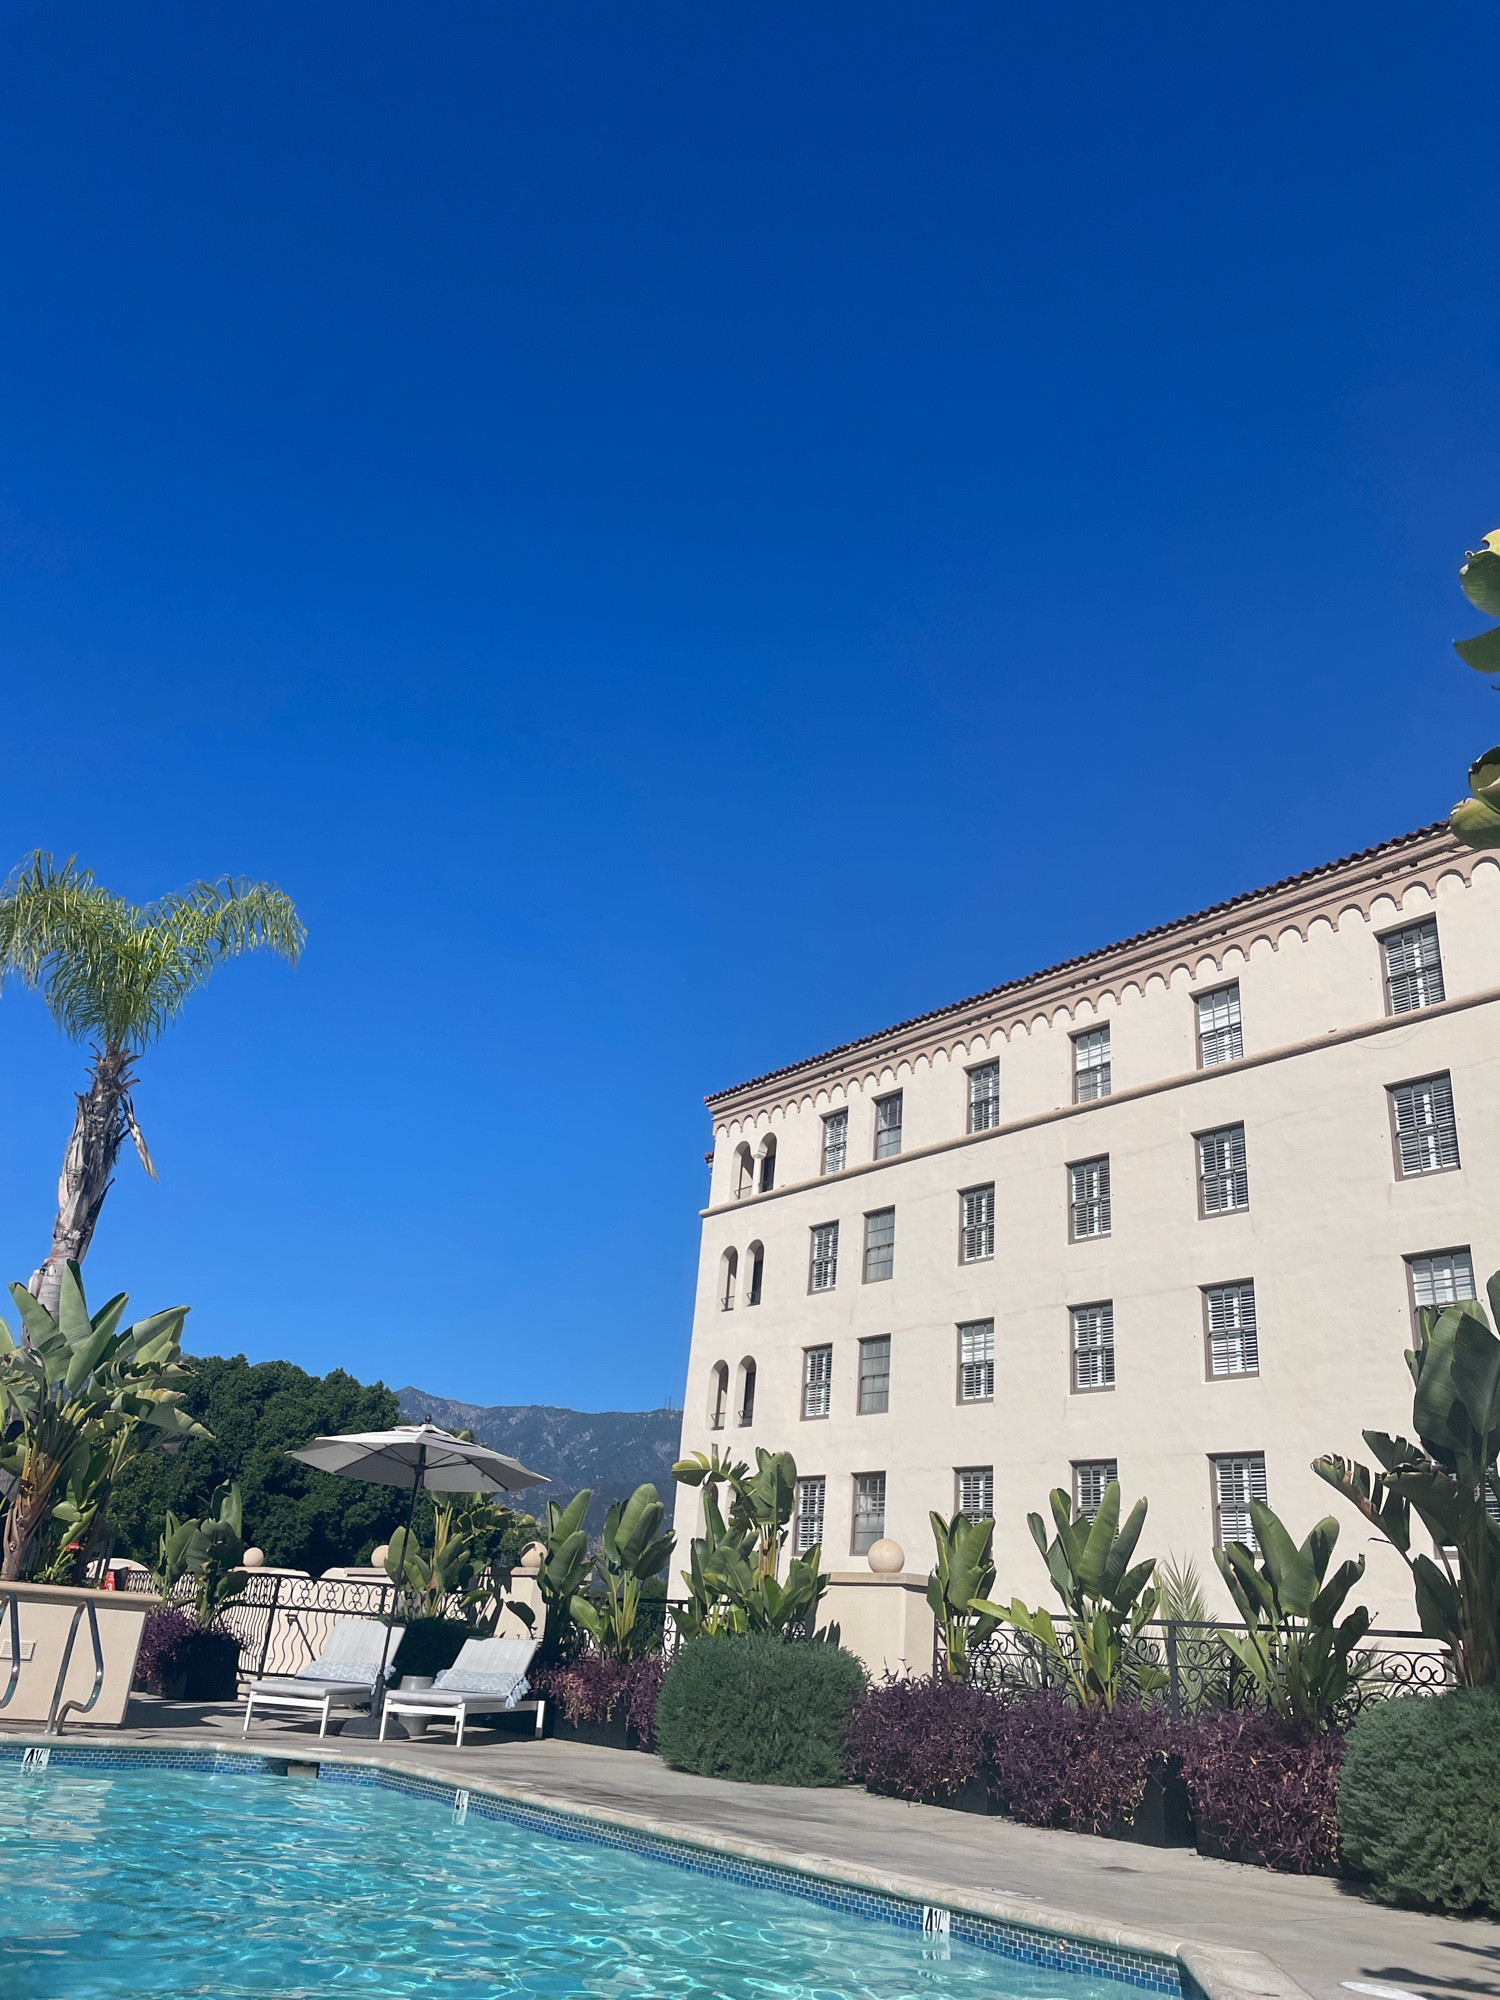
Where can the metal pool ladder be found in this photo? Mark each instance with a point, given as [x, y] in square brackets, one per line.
[55, 1714]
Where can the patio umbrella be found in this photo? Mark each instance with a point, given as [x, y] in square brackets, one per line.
[424, 1458]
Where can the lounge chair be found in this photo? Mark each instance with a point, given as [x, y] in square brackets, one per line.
[487, 1678]
[346, 1674]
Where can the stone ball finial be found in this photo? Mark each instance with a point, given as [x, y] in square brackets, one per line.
[253, 1559]
[532, 1558]
[886, 1558]
[378, 1556]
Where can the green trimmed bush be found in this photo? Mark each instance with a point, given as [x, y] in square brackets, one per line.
[765, 1711]
[1419, 1801]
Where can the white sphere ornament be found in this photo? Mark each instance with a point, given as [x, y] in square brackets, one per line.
[253, 1559]
[886, 1558]
[378, 1556]
[532, 1558]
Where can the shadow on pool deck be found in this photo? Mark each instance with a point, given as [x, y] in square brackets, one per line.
[1317, 1930]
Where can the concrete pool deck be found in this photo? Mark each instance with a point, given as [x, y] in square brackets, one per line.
[1319, 1933]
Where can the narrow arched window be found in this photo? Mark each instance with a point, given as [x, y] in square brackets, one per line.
[744, 1171]
[729, 1271]
[718, 1395]
[757, 1255]
[747, 1394]
[767, 1166]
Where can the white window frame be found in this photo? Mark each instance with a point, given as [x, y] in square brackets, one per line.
[1411, 964]
[1424, 1145]
[984, 1102]
[1091, 1344]
[976, 1232]
[880, 1250]
[812, 1512]
[817, 1382]
[1088, 1199]
[1091, 1064]
[1230, 1330]
[1244, 1472]
[823, 1257]
[1223, 1171]
[867, 1486]
[976, 1369]
[1092, 1478]
[1458, 1259]
[887, 1125]
[835, 1154]
[1224, 1039]
[873, 1396]
[978, 1503]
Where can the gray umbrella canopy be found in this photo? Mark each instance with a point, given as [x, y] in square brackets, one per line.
[418, 1455]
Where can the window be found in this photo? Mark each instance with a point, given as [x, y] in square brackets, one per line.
[817, 1381]
[718, 1395]
[1440, 1278]
[869, 1511]
[1238, 1479]
[1413, 968]
[977, 1234]
[1088, 1198]
[984, 1097]
[875, 1375]
[1092, 1478]
[1219, 1037]
[744, 1172]
[880, 1244]
[768, 1166]
[729, 1269]
[976, 1361]
[1426, 1132]
[747, 1394]
[1091, 1065]
[1229, 1315]
[811, 1496]
[757, 1257]
[824, 1268]
[1223, 1178]
[835, 1142]
[887, 1126]
[976, 1491]
[1094, 1345]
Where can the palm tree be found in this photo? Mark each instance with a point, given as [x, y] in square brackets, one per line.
[115, 975]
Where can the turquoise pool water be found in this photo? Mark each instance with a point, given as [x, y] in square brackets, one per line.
[173, 1883]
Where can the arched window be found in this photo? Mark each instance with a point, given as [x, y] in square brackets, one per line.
[745, 1401]
[718, 1395]
[757, 1256]
[729, 1271]
[767, 1164]
[744, 1171]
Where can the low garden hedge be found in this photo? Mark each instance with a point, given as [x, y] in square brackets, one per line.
[1419, 1801]
[1262, 1792]
[764, 1711]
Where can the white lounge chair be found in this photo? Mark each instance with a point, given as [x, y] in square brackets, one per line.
[487, 1678]
[346, 1674]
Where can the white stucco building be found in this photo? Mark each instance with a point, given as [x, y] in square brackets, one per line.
[1165, 1209]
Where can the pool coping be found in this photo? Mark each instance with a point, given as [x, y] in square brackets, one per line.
[1217, 1972]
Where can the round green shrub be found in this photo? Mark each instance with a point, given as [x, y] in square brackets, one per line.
[765, 1711]
[1419, 1801]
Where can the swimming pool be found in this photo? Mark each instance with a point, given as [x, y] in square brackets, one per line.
[228, 1881]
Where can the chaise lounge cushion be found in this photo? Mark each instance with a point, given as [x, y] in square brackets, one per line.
[464, 1681]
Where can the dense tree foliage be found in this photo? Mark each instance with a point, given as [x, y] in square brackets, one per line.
[301, 1518]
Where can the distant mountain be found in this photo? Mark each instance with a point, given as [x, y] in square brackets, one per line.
[609, 1451]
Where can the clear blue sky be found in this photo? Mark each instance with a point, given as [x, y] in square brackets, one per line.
[682, 535]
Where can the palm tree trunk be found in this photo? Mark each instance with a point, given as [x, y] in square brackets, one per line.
[99, 1128]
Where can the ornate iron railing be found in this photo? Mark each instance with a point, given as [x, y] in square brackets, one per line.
[1201, 1673]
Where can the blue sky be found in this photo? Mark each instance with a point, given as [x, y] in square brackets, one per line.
[681, 536]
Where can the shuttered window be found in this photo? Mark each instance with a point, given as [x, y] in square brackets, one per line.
[1094, 1345]
[887, 1126]
[1413, 968]
[1220, 1039]
[835, 1142]
[869, 1511]
[1238, 1479]
[1426, 1131]
[1223, 1178]
[976, 1361]
[1091, 1065]
[1092, 1478]
[976, 1491]
[1088, 1198]
[811, 1499]
[817, 1381]
[875, 1375]
[977, 1231]
[1232, 1345]
[1440, 1278]
[880, 1244]
[824, 1266]
[984, 1097]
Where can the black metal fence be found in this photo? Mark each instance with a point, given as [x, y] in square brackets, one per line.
[1202, 1673]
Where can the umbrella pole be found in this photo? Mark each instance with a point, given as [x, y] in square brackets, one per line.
[411, 1515]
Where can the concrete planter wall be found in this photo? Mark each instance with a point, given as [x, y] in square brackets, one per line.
[45, 1612]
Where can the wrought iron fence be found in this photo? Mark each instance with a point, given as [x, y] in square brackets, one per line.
[1202, 1673]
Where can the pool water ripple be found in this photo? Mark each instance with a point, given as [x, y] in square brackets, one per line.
[240, 1887]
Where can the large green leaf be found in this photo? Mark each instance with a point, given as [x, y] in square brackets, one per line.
[1480, 576]
[1482, 652]
[1476, 823]
[1476, 1375]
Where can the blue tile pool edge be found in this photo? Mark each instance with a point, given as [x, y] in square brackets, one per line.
[1025, 1943]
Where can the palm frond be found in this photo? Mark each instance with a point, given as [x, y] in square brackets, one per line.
[109, 969]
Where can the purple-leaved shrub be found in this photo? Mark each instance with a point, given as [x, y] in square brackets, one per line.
[1263, 1792]
[921, 1739]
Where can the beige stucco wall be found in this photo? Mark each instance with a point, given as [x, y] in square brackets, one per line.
[1324, 1239]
